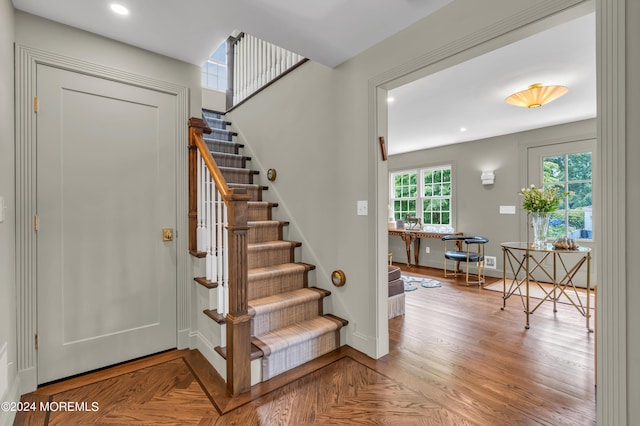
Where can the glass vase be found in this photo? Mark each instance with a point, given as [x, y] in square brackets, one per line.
[540, 223]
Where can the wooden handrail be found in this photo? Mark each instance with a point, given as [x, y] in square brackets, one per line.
[238, 320]
[197, 127]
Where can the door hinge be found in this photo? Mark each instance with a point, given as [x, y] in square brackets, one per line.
[36, 224]
[35, 104]
[36, 341]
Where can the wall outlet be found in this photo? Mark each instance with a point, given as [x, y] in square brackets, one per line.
[427, 249]
[490, 262]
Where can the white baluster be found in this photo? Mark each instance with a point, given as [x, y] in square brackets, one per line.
[226, 263]
[201, 235]
[207, 204]
[221, 259]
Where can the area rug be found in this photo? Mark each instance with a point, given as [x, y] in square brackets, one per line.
[411, 283]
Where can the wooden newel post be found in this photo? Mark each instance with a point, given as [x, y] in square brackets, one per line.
[238, 319]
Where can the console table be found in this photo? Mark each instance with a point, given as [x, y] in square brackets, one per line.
[409, 236]
[519, 256]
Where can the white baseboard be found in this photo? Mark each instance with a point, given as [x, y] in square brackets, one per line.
[214, 358]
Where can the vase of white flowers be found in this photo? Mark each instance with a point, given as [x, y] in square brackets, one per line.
[540, 203]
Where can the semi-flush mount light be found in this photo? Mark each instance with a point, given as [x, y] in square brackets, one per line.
[119, 9]
[536, 95]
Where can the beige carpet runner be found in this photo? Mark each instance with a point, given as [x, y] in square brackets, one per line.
[288, 321]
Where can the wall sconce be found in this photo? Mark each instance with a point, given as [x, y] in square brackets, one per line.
[487, 177]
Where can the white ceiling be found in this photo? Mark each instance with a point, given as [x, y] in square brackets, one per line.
[431, 111]
[425, 113]
[326, 31]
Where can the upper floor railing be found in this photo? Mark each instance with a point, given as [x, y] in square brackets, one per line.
[253, 64]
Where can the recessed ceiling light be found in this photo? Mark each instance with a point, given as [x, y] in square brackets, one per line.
[463, 129]
[119, 9]
[390, 99]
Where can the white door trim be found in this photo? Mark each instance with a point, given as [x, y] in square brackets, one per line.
[26, 59]
[611, 335]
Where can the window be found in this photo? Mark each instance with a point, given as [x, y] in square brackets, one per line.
[424, 193]
[571, 173]
[214, 71]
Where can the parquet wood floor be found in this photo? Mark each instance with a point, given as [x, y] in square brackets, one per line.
[455, 359]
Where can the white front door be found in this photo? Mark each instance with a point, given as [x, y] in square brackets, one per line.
[106, 281]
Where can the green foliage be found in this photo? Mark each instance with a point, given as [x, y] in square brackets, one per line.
[547, 199]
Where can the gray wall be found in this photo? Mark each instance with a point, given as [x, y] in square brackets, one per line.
[33, 31]
[633, 206]
[318, 127]
[8, 373]
[477, 205]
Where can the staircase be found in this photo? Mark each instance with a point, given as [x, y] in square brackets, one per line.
[288, 325]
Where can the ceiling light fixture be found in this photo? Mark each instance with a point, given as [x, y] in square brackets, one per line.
[536, 95]
[119, 9]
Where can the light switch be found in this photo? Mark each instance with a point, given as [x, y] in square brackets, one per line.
[507, 209]
[363, 208]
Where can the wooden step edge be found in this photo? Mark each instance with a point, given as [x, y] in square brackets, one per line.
[205, 282]
[321, 291]
[264, 243]
[256, 353]
[338, 320]
[309, 266]
[247, 185]
[198, 254]
[236, 170]
[214, 315]
[272, 222]
[268, 203]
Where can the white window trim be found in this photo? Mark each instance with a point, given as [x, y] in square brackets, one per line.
[420, 198]
[537, 153]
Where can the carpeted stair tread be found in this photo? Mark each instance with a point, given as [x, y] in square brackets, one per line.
[213, 115]
[219, 145]
[284, 300]
[224, 159]
[265, 230]
[211, 138]
[266, 272]
[260, 210]
[237, 175]
[255, 191]
[283, 338]
[270, 253]
[279, 278]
